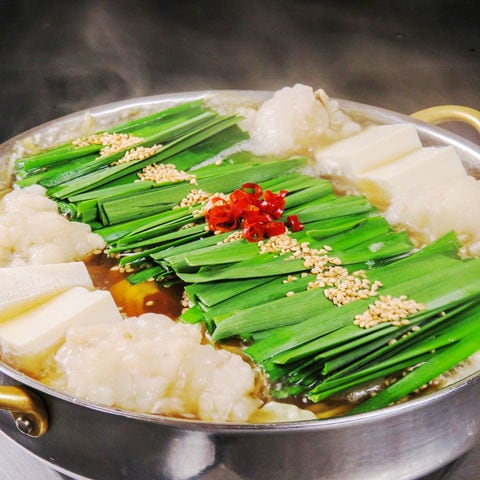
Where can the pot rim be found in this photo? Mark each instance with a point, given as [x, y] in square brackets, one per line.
[317, 424]
[369, 112]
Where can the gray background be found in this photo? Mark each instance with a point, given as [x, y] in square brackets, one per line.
[58, 57]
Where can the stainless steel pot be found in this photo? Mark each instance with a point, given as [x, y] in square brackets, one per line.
[401, 442]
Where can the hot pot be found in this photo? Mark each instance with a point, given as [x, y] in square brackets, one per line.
[401, 442]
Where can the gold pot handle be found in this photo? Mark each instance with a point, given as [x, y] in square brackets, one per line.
[449, 113]
[27, 409]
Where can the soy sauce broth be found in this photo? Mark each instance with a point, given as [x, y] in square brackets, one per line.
[133, 300]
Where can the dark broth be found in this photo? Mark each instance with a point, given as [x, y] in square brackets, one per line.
[133, 300]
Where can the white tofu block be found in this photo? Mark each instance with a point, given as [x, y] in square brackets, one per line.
[24, 287]
[421, 170]
[27, 338]
[374, 146]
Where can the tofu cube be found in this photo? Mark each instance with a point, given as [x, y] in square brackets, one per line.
[21, 288]
[371, 148]
[421, 170]
[32, 336]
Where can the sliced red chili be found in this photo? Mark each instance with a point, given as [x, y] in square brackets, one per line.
[255, 187]
[274, 203]
[273, 229]
[218, 214]
[252, 210]
[294, 223]
[253, 232]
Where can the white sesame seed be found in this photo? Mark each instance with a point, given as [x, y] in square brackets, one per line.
[388, 309]
[162, 173]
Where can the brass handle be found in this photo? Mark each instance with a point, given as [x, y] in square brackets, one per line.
[449, 113]
[26, 408]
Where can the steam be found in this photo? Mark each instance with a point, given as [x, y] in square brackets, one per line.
[83, 54]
